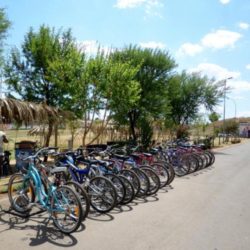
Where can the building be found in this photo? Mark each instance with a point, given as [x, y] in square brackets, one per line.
[244, 129]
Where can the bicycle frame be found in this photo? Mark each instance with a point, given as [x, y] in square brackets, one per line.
[43, 198]
[78, 175]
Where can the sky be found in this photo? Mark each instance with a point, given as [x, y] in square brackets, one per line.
[207, 36]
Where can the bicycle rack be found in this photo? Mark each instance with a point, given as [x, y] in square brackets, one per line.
[12, 212]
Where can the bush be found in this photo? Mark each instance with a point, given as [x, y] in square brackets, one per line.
[182, 131]
[206, 143]
[235, 140]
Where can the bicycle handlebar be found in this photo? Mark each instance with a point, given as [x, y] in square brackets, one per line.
[30, 157]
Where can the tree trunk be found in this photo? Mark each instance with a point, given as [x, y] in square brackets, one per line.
[56, 135]
[132, 125]
[48, 136]
[103, 127]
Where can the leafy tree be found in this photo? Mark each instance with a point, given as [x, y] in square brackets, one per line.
[231, 127]
[214, 117]
[48, 68]
[154, 70]
[187, 92]
[4, 26]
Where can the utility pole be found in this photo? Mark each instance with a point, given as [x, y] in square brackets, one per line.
[224, 109]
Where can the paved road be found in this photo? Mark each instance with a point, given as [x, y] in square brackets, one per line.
[209, 210]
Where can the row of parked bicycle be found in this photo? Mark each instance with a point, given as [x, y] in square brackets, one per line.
[97, 178]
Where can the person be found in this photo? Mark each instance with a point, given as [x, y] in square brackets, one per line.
[3, 139]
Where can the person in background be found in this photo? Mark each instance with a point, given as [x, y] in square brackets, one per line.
[3, 139]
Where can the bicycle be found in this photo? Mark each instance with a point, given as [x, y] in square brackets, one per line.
[26, 190]
[101, 191]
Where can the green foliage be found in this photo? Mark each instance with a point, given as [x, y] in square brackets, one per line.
[154, 68]
[146, 132]
[214, 117]
[48, 68]
[4, 26]
[231, 127]
[123, 92]
[187, 92]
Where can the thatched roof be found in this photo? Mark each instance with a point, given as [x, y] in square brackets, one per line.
[12, 110]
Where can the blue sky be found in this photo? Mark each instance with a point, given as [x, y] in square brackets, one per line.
[209, 36]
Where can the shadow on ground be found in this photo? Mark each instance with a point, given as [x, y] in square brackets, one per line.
[44, 230]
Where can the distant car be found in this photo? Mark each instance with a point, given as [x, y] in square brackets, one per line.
[224, 135]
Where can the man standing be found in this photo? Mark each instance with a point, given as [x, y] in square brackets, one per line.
[3, 139]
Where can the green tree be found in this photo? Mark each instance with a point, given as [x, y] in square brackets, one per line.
[187, 93]
[214, 117]
[4, 26]
[231, 127]
[154, 70]
[48, 68]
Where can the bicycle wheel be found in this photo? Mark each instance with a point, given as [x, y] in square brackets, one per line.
[194, 163]
[119, 186]
[129, 193]
[182, 166]
[170, 169]
[84, 198]
[154, 180]
[66, 209]
[102, 194]
[200, 160]
[144, 181]
[162, 173]
[134, 179]
[212, 156]
[21, 193]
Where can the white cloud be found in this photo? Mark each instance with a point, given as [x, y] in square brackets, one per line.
[214, 70]
[152, 7]
[243, 25]
[225, 1]
[189, 49]
[220, 39]
[153, 45]
[124, 4]
[91, 47]
[239, 85]
[248, 66]
[219, 73]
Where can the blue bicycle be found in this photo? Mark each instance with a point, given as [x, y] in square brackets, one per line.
[26, 190]
[102, 193]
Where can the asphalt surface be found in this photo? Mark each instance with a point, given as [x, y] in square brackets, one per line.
[208, 210]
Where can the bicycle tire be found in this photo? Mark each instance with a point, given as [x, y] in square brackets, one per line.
[162, 173]
[183, 166]
[102, 191]
[66, 202]
[134, 179]
[144, 181]
[119, 186]
[25, 193]
[84, 198]
[170, 171]
[130, 192]
[153, 179]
